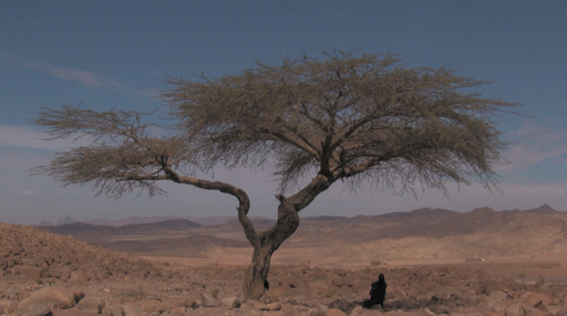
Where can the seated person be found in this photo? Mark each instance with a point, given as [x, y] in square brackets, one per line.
[377, 293]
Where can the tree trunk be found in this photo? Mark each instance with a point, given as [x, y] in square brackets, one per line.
[256, 274]
[267, 242]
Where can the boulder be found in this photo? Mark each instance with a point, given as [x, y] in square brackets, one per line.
[117, 311]
[210, 301]
[178, 302]
[230, 302]
[438, 309]
[408, 303]
[278, 290]
[498, 296]
[130, 309]
[195, 299]
[257, 305]
[338, 280]
[79, 276]
[153, 306]
[32, 307]
[514, 310]
[276, 306]
[91, 304]
[60, 297]
[32, 272]
[531, 299]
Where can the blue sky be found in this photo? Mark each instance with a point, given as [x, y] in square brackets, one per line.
[118, 54]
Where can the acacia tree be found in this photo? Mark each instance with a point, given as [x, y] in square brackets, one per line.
[364, 120]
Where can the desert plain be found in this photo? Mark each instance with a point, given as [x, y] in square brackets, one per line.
[435, 262]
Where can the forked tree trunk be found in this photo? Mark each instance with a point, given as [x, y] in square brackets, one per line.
[256, 274]
[267, 242]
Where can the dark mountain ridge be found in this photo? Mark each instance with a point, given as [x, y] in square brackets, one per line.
[78, 228]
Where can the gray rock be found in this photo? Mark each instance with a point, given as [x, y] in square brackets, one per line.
[153, 306]
[117, 311]
[514, 310]
[498, 296]
[210, 301]
[32, 272]
[439, 309]
[230, 302]
[60, 297]
[195, 299]
[91, 304]
[31, 307]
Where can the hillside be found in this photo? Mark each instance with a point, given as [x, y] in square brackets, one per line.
[50, 255]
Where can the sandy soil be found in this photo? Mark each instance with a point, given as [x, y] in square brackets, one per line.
[526, 268]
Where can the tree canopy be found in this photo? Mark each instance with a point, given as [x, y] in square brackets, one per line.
[363, 119]
[346, 117]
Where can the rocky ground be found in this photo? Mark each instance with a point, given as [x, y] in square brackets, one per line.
[45, 274]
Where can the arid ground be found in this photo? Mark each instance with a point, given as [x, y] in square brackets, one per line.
[434, 261]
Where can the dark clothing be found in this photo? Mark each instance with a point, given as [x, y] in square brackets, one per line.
[377, 293]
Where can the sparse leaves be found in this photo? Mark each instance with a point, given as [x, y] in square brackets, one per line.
[123, 157]
[344, 116]
[360, 119]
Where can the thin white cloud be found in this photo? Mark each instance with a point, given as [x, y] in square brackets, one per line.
[86, 78]
[534, 144]
[13, 136]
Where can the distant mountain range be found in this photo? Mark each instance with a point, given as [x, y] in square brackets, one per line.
[134, 220]
[422, 233]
